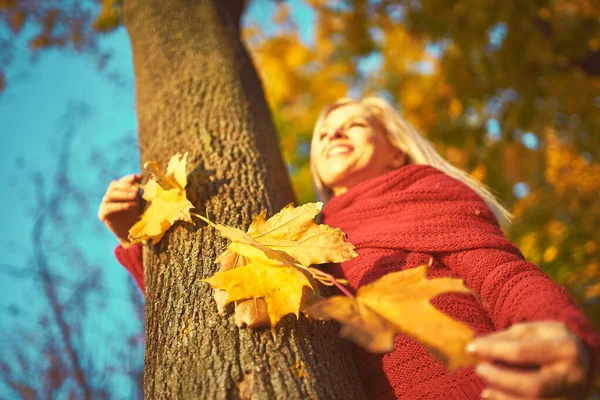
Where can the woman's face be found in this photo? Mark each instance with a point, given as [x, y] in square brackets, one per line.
[348, 149]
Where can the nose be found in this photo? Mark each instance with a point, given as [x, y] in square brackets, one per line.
[337, 134]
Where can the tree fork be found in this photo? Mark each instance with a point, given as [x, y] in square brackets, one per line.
[197, 91]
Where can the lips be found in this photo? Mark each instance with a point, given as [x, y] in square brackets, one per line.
[339, 149]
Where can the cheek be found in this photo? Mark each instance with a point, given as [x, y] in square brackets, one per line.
[383, 153]
[367, 152]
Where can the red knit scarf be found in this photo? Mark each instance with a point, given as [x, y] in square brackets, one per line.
[415, 208]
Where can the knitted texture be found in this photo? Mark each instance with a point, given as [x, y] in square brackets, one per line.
[403, 219]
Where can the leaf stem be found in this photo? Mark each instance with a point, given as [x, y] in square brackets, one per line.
[342, 288]
[329, 280]
[205, 219]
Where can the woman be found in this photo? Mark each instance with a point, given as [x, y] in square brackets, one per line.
[401, 204]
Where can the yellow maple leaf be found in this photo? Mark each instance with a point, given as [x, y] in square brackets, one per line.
[399, 303]
[294, 231]
[168, 202]
[251, 313]
[245, 245]
[284, 288]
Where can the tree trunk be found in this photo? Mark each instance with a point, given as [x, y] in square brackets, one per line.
[197, 91]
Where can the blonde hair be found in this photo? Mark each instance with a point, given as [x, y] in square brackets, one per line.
[403, 136]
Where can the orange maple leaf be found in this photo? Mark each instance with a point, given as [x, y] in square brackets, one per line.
[399, 303]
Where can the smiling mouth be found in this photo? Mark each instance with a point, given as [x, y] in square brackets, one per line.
[339, 149]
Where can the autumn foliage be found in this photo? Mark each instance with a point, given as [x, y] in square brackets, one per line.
[505, 90]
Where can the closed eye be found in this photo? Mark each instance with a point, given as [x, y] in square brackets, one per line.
[358, 125]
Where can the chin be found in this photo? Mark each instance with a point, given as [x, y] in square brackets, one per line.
[335, 175]
[345, 181]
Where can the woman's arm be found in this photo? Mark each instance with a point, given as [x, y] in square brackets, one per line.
[514, 290]
[131, 258]
[119, 210]
[519, 296]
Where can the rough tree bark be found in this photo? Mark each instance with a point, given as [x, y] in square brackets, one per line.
[197, 91]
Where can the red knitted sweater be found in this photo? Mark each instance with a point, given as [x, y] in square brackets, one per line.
[402, 219]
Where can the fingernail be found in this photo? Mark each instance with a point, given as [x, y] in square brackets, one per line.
[485, 393]
[471, 348]
[482, 369]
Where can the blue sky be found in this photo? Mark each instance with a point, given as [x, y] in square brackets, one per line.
[64, 94]
[56, 95]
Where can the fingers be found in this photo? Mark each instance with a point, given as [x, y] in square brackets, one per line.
[523, 344]
[107, 209]
[125, 183]
[557, 354]
[528, 384]
[117, 195]
[123, 189]
[530, 352]
[493, 394]
[131, 178]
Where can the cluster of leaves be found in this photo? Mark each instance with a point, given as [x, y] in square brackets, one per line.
[277, 256]
[269, 273]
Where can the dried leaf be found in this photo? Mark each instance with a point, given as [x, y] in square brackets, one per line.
[359, 322]
[108, 18]
[151, 190]
[286, 222]
[282, 287]
[399, 303]
[290, 240]
[227, 260]
[294, 231]
[290, 237]
[252, 313]
[168, 201]
[248, 247]
[176, 170]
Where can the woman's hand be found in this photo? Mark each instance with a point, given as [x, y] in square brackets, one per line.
[121, 207]
[558, 362]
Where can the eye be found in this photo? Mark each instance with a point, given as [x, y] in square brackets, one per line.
[358, 124]
[322, 135]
